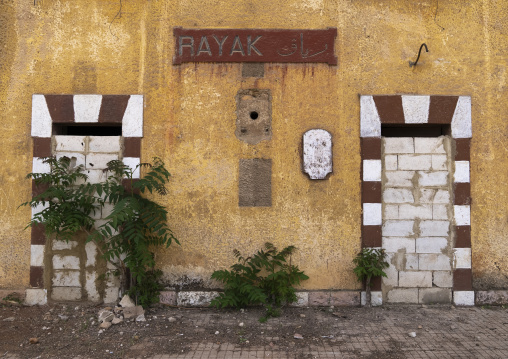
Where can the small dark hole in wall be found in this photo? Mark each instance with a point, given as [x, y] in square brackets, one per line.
[87, 130]
[243, 130]
[254, 115]
[418, 130]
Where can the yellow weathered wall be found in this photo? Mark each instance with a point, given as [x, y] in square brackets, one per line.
[86, 46]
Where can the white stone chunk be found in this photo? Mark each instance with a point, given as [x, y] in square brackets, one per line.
[38, 166]
[37, 255]
[399, 178]
[132, 122]
[416, 108]
[462, 215]
[434, 261]
[87, 108]
[403, 295]
[91, 288]
[462, 258]
[411, 261]
[41, 119]
[431, 244]
[66, 279]
[99, 160]
[395, 244]
[104, 144]
[409, 211]
[398, 228]
[434, 228]
[317, 153]
[376, 298]
[391, 211]
[77, 159]
[439, 163]
[70, 143]
[132, 162]
[36, 296]
[461, 174]
[433, 179]
[65, 262]
[390, 162]
[429, 145]
[39, 208]
[418, 279]
[443, 279]
[372, 170]
[91, 253]
[372, 214]
[415, 162]
[397, 195]
[61, 245]
[461, 120]
[370, 124]
[463, 298]
[440, 211]
[399, 145]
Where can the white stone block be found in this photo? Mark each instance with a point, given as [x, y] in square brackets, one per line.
[417, 279]
[38, 166]
[409, 211]
[391, 211]
[440, 212]
[416, 108]
[317, 153]
[66, 293]
[442, 196]
[433, 179]
[302, 299]
[443, 279]
[461, 174]
[370, 124]
[36, 296]
[372, 214]
[399, 145]
[399, 178]
[429, 145]
[372, 170]
[392, 276]
[431, 244]
[390, 162]
[376, 298]
[91, 253]
[403, 295]
[195, 298]
[77, 159]
[435, 295]
[132, 122]
[111, 295]
[434, 228]
[37, 255]
[107, 209]
[439, 163]
[91, 287]
[133, 162]
[462, 215]
[66, 279]
[104, 144]
[61, 245]
[70, 143]
[411, 262]
[395, 244]
[96, 176]
[397, 195]
[434, 261]
[463, 298]
[99, 160]
[462, 258]
[461, 120]
[87, 108]
[415, 162]
[398, 228]
[65, 262]
[42, 123]
[39, 208]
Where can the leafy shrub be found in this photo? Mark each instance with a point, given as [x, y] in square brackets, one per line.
[370, 262]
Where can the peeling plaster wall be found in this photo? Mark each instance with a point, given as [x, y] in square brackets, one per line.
[87, 46]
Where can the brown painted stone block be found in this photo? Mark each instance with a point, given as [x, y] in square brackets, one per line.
[61, 108]
[441, 109]
[36, 277]
[371, 192]
[132, 147]
[462, 193]
[462, 236]
[319, 299]
[37, 234]
[345, 299]
[255, 183]
[42, 147]
[462, 149]
[376, 283]
[37, 189]
[371, 236]
[127, 184]
[462, 279]
[390, 109]
[168, 297]
[371, 148]
[113, 108]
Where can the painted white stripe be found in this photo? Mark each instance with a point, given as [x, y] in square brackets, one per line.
[463, 297]
[461, 121]
[462, 258]
[132, 162]
[370, 123]
[416, 108]
[372, 170]
[37, 255]
[87, 108]
[462, 215]
[38, 209]
[41, 119]
[372, 214]
[132, 122]
[461, 174]
[39, 167]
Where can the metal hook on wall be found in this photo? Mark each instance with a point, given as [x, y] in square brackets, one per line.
[411, 63]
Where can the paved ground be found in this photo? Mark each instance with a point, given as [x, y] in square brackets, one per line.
[384, 332]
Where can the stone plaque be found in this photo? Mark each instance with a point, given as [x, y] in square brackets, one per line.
[255, 183]
[254, 45]
[317, 153]
[254, 116]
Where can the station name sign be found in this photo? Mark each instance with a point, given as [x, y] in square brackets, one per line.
[254, 45]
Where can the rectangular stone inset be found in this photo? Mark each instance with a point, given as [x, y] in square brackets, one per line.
[255, 182]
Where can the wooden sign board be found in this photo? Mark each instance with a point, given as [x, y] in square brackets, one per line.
[254, 45]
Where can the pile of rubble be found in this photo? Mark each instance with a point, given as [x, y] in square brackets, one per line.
[125, 310]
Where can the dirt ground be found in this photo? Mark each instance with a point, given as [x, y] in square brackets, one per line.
[71, 330]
